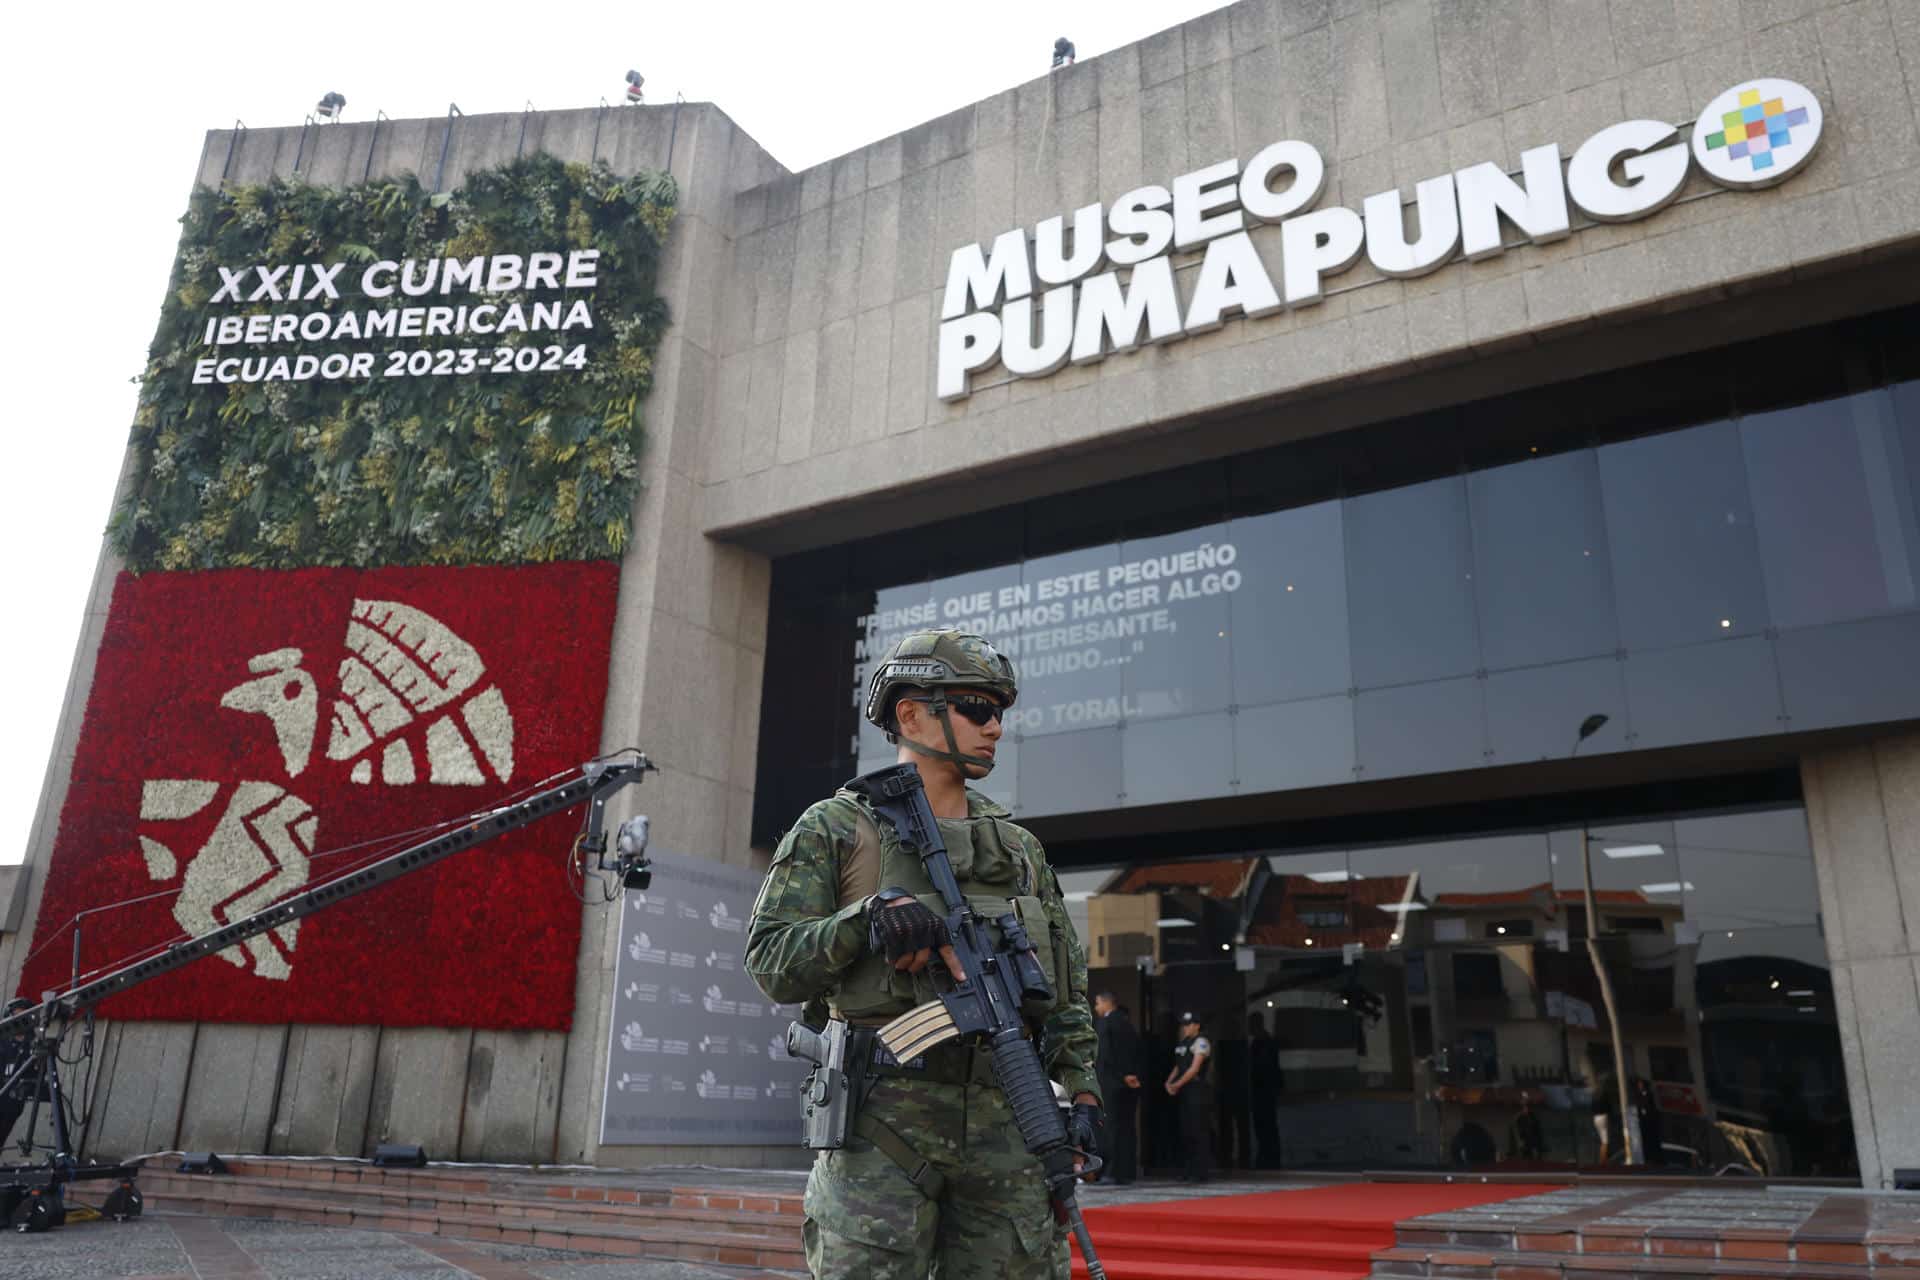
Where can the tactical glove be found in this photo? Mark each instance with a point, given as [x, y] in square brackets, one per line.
[1083, 1126]
[903, 928]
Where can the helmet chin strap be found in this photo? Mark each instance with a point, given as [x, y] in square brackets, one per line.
[937, 703]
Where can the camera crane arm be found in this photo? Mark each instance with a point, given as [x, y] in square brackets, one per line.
[597, 781]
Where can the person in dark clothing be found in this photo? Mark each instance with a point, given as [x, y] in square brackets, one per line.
[1525, 1141]
[1263, 1092]
[1233, 1092]
[1119, 1065]
[1190, 1084]
[1652, 1132]
[1472, 1146]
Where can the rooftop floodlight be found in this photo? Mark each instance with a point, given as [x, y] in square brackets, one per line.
[1062, 53]
[330, 107]
[634, 81]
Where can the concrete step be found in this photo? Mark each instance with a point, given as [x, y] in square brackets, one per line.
[686, 1206]
[523, 1182]
[686, 1223]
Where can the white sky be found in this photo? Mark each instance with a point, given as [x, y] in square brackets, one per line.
[107, 109]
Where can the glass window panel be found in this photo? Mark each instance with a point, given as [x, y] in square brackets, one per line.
[1680, 529]
[1770, 1049]
[1289, 616]
[1536, 713]
[1635, 868]
[1420, 728]
[1703, 693]
[1069, 679]
[1486, 876]
[1070, 772]
[1540, 552]
[1825, 511]
[1409, 584]
[1308, 743]
[1642, 942]
[1773, 1067]
[1748, 871]
[1171, 619]
[1178, 759]
[1851, 672]
[1905, 445]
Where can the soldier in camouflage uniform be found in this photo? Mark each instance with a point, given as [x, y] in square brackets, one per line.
[934, 1178]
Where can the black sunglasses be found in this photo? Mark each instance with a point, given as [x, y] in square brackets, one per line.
[976, 710]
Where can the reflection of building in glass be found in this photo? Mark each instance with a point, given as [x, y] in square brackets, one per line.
[1403, 1010]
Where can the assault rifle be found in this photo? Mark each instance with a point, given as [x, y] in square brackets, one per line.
[985, 1007]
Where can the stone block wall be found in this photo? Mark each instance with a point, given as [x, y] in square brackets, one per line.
[826, 346]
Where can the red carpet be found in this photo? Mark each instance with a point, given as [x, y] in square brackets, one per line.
[1324, 1233]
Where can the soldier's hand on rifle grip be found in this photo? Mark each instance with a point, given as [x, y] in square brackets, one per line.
[1084, 1123]
[903, 929]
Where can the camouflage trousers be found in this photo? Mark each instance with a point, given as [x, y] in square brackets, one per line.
[867, 1221]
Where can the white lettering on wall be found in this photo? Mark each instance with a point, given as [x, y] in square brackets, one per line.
[989, 315]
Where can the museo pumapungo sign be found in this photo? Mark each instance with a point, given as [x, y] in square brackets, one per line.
[1036, 300]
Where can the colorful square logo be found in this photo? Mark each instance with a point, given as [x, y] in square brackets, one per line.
[1757, 133]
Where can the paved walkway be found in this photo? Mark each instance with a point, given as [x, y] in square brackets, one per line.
[168, 1247]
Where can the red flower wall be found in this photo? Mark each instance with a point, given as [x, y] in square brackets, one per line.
[381, 723]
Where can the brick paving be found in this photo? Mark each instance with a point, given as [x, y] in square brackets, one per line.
[170, 1247]
[1594, 1231]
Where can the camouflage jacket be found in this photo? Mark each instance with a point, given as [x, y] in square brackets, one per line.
[801, 940]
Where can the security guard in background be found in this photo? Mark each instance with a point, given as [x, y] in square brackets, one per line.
[934, 1177]
[1191, 1085]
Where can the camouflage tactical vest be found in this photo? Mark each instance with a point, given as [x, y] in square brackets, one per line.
[996, 874]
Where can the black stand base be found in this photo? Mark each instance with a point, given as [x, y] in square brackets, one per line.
[33, 1197]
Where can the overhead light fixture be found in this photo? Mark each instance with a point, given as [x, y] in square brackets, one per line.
[634, 81]
[1309, 941]
[1801, 995]
[1078, 895]
[1173, 922]
[1668, 886]
[1269, 1004]
[1499, 928]
[1332, 877]
[1634, 851]
[1394, 938]
[1773, 984]
[1399, 908]
[1062, 53]
[1725, 623]
[330, 106]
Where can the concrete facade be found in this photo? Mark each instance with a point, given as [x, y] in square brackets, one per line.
[1863, 805]
[794, 406]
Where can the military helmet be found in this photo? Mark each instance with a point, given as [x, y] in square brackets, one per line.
[937, 659]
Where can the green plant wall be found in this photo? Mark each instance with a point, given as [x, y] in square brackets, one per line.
[485, 468]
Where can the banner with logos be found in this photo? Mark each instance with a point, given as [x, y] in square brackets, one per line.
[696, 1055]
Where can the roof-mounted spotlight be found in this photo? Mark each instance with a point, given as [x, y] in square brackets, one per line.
[1062, 53]
[634, 81]
[330, 107]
